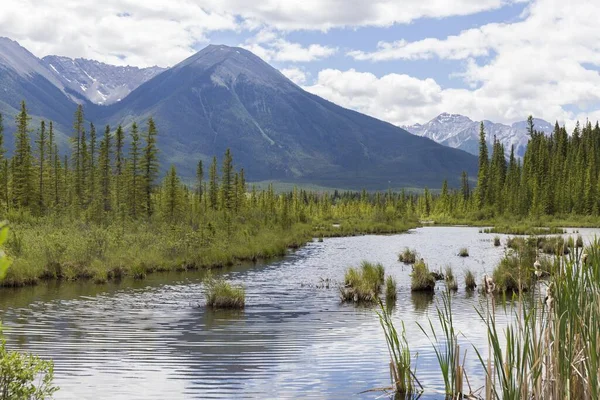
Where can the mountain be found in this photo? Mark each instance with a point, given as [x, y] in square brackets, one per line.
[98, 82]
[24, 77]
[227, 97]
[460, 132]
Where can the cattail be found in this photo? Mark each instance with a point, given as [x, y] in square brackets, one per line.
[489, 284]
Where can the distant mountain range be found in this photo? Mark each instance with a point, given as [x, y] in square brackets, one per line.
[460, 132]
[226, 97]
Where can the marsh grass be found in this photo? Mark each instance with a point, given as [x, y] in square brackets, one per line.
[421, 278]
[363, 284]
[524, 230]
[221, 294]
[402, 370]
[451, 283]
[497, 242]
[408, 256]
[390, 289]
[470, 280]
[464, 252]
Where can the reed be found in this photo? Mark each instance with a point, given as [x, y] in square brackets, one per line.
[421, 278]
[470, 280]
[390, 289]
[363, 284]
[221, 294]
[497, 242]
[451, 283]
[464, 252]
[402, 370]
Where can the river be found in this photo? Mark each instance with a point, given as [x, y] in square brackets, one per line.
[154, 339]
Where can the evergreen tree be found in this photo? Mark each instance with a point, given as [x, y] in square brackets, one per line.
[149, 165]
[22, 160]
[213, 189]
[41, 142]
[105, 169]
[482, 177]
[77, 154]
[134, 155]
[119, 162]
[199, 179]
[227, 195]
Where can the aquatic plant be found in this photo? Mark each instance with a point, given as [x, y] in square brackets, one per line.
[451, 283]
[437, 275]
[402, 371]
[464, 252]
[408, 256]
[420, 278]
[497, 242]
[390, 289]
[446, 347]
[363, 284]
[221, 294]
[579, 241]
[470, 281]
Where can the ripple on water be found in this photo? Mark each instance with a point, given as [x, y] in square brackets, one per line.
[155, 339]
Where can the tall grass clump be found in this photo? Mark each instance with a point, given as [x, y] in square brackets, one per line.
[408, 256]
[464, 252]
[446, 348]
[402, 371]
[363, 284]
[451, 283]
[222, 294]
[470, 281]
[497, 242]
[390, 289]
[421, 279]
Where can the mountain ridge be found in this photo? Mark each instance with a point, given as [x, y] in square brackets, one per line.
[460, 132]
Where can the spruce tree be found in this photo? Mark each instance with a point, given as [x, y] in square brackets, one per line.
[227, 195]
[119, 143]
[482, 177]
[22, 160]
[76, 158]
[149, 165]
[213, 188]
[104, 166]
[134, 155]
[41, 142]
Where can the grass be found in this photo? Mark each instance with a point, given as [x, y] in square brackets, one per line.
[421, 279]
[470, 280]
[497, 242]
[524, 230]
[408, 256]
[363, 284]
[464, 252]
[220, 294]
[451, 283]
[402, 372]
[390, 289]
[53, 248]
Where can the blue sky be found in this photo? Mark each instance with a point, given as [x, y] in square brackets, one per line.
[403, 62]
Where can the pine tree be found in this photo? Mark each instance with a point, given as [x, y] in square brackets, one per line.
[105, 169]
[171, 193]
[77, 154]
[134, 155]
[482, 177]
[22, 160]
[92, 161]
[199, 179]
[41, 142]
[119, 143]
[149, 165]
[227, 182]
[213, 189]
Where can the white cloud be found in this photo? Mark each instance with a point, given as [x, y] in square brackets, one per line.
[165, 32]
[296, 75]
[539, 64]
[270, 47]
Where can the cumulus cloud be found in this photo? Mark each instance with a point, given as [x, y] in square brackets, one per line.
[296, 75]
[158, 32]
[543, 64]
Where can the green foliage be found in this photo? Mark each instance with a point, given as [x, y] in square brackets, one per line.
[24, 376]
[421, 278]
[497, 241]
[451, 283]
[221, 294]
[470, 280]
[463, 252]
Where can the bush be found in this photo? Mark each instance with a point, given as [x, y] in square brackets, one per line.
[222, 294]
[421, 279]
[464, 252]
[363, 284]
[390, 289]
[25, 376]
[408, 256]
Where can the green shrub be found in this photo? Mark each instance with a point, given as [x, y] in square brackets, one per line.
[421, 279]
[25, 376]
[222, 294]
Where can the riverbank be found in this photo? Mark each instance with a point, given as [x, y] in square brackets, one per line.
[46, 249]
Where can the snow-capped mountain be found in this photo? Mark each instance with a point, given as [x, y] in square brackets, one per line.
[460, 132]
[98, 82]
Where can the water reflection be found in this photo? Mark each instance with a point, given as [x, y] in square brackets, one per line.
[154, 339]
